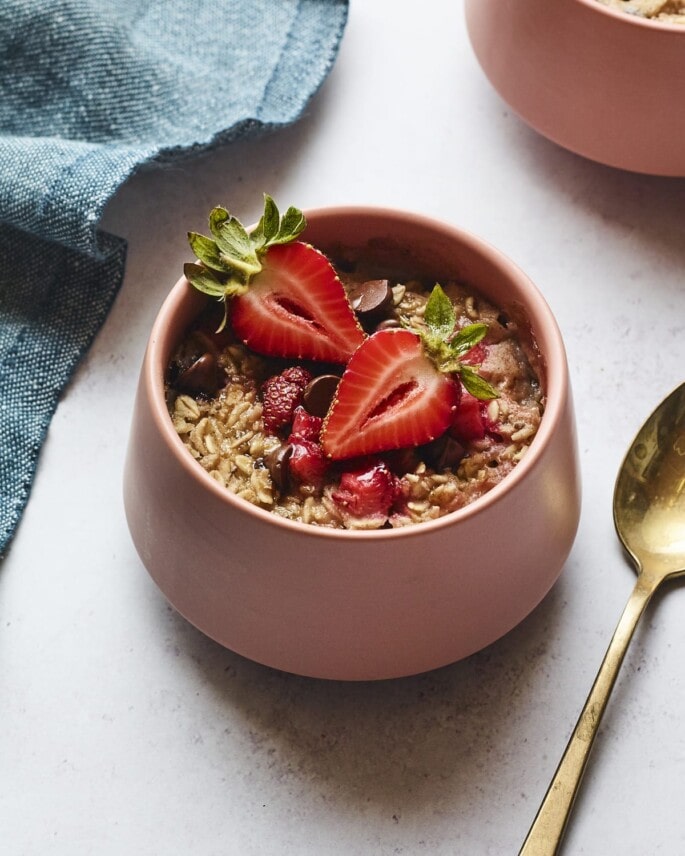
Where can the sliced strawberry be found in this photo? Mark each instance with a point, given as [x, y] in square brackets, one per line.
[391, 396]
[297, 307]
[366, 495]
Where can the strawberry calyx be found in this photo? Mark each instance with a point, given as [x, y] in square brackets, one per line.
[233, 256]
[453, 351]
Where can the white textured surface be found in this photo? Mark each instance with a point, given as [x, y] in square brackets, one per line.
[123, 730]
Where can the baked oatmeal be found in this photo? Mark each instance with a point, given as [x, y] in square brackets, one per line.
[422, 398]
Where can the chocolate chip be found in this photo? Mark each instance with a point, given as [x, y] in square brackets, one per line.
[402, 461]
[319, 393]
[371, 299]
[444, 453]
[389, 324]
[201, 377]
[277, 463]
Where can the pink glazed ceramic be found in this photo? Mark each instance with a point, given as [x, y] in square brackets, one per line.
[600, 82]
[349, 604]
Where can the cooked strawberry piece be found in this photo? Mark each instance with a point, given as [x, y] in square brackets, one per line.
[470, 421]
[391, 396]
[281, 395]
[476, 355]
[296, 307]
[297, 375]
[308, 464]
[367, 494]
[305, 426]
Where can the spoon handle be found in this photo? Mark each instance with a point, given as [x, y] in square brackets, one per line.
[550, 822]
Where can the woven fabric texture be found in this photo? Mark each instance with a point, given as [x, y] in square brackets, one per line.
[89, 91]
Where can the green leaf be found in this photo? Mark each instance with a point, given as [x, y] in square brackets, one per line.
[274, 229]
[232, 237]
[208, 282]
[217, 216]
[267, 227]
[476, 385]
[271, 219]
[440, 315]
[208, 252]
[292, 224]
[237, 248]
[468, 337]
[204, 280]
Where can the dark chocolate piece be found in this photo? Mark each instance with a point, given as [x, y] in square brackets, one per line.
[277, 463]
[319, 393]
[402, 461]
[443, 453]
[204, 343]
[389, 324]
[371, 299]
[201, 377]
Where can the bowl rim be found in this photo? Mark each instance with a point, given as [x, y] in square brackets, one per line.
[626, 18]
[553, 359]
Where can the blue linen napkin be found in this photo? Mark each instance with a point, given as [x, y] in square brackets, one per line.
[89, 91]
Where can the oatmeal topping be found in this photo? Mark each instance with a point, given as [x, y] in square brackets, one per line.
[670, 11]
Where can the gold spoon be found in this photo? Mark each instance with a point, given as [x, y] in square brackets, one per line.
[649, 515]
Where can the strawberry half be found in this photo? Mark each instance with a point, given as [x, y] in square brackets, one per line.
[391, 396]
[402, 387]
[296, 307]
[286, 298]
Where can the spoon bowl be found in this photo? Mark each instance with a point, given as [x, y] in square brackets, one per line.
[649, 515]
[649, 499]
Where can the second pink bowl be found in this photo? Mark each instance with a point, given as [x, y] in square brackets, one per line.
[600, 82]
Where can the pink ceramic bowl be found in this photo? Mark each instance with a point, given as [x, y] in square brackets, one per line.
[349, 604]
[600, 82]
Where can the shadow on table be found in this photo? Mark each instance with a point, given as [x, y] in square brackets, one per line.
[440, 739]
[648, 211]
